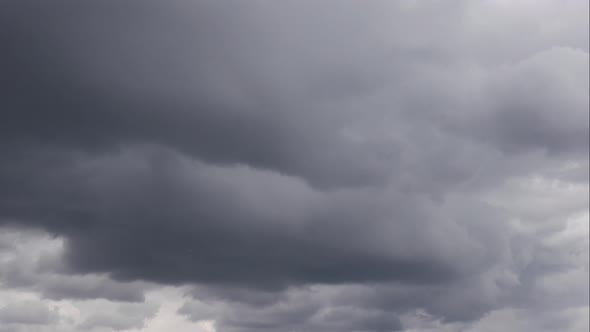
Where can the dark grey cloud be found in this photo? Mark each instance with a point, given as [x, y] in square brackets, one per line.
[92, 80]
[296, 310]
[304, 166]
[224, 220]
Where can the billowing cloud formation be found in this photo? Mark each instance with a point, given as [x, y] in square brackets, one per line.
[299, 166]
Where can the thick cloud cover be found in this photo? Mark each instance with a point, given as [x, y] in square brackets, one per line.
[295, 165]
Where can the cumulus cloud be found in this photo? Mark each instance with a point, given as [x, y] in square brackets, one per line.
[295, 165]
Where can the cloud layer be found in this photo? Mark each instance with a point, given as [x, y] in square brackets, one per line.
[294, 166]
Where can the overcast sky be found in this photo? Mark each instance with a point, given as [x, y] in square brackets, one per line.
[294, 166]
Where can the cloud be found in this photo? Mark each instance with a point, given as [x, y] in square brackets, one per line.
[241, 212]
[297, 166]
[32, 313]
[34, 261]
[124, 317]
[537, 103]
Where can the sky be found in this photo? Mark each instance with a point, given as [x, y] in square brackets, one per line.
[294, 166]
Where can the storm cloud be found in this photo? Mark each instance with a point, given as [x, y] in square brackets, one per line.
[294, 165]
